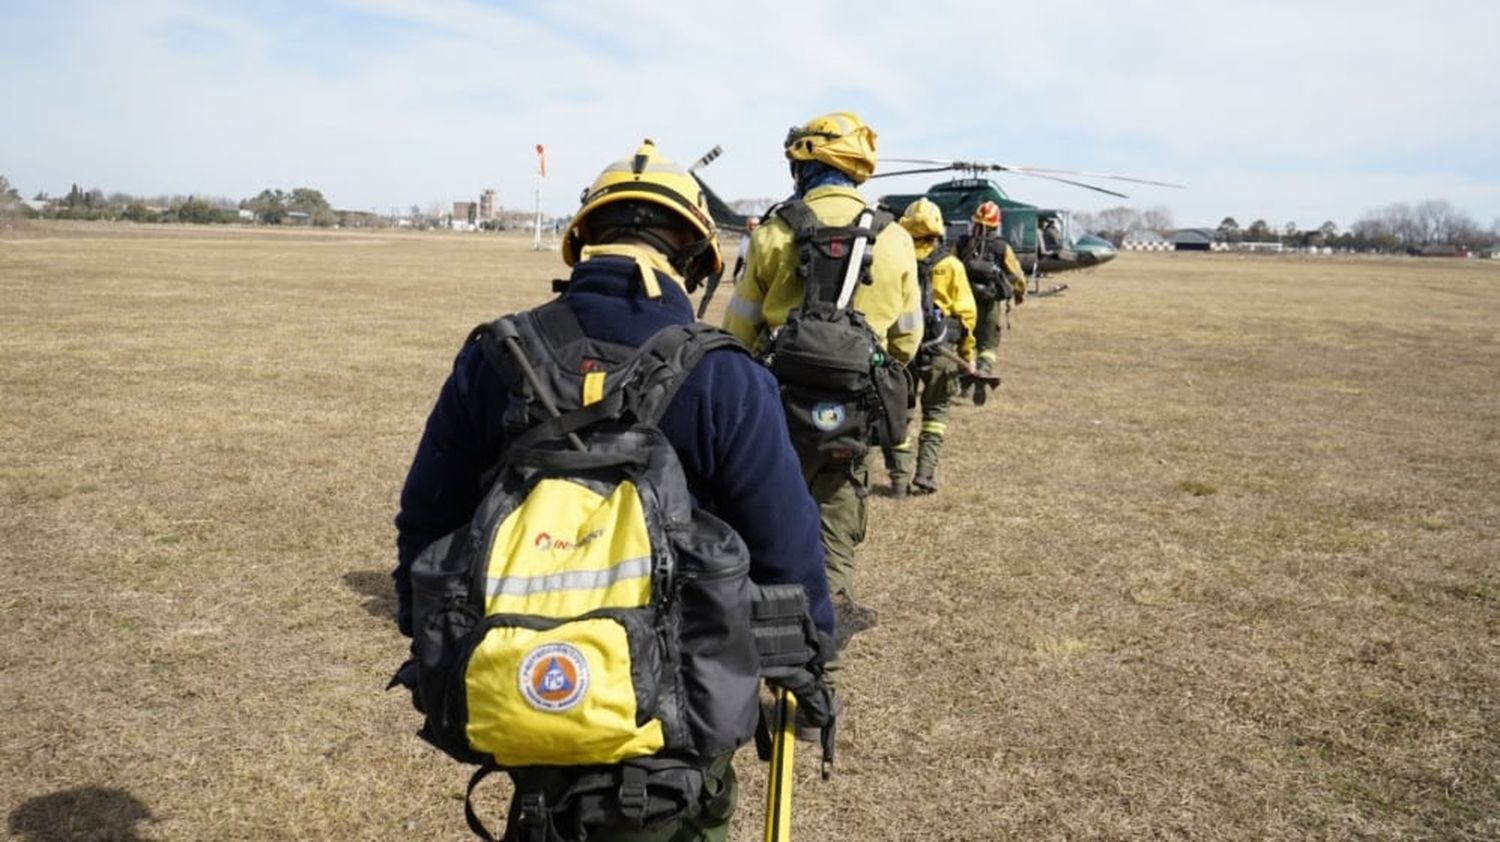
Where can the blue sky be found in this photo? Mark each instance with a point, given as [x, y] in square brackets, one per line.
[1291, 111]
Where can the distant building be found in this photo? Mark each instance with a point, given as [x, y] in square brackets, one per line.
[1438, 250]
[489, 205]
[1194, 239]
[1144, 239]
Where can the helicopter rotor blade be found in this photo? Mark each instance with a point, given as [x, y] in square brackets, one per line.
[910, 172]
[931, 165]
[708, 158]
[926, 161]
[1084, 185]
[1097, 175]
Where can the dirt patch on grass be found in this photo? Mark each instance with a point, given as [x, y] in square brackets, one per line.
[1218, 561]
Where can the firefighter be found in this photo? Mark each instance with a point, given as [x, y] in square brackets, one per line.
[996, 279]
[829, 157]
[948, 305]
[639, 244]
[751, 223]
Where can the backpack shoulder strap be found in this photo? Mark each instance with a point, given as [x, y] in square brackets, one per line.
[552, 325]
[656, 371]
[798, 215]
[931, 260]
[666, 360]
[924, 275]
[805, 225]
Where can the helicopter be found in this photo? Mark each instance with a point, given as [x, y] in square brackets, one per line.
[1046, 240]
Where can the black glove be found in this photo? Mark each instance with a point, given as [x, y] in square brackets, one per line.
[1020, 298]
[406, 676]
[792, 650]
[814, 699]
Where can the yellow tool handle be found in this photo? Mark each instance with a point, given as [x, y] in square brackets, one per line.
[779, 787]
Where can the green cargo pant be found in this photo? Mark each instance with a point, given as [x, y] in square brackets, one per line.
[711, 824]
[939, 383]
[987, 333]
[840, 489]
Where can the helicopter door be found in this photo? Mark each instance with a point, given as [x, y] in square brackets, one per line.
[1055, 236]
[1050, 235]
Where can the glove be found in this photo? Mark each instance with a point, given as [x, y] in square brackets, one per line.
[406, 676]
[814, 699]
[1020, 298]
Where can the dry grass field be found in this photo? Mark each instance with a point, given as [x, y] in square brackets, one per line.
[1220, 562]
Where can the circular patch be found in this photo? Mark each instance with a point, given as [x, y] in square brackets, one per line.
[553, 677]
[827, 416]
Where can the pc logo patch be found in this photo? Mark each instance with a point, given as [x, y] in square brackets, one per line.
[827, 416]
[553, 677]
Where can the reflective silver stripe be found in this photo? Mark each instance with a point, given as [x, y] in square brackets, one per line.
[750, 311]
[577, 580]
[909, 322]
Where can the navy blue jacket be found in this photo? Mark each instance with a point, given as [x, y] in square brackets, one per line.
[725, 422]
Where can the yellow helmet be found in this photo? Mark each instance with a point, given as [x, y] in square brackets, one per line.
[661, 195]
[839, 140]
[922, 220]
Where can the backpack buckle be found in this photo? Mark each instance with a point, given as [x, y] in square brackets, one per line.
[533, 810]
[632, 794]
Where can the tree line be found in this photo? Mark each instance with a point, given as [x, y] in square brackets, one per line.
[1398, 227]
[272, 206]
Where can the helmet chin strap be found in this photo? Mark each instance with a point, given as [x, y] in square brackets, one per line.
[688, 262]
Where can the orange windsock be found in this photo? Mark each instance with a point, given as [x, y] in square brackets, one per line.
[541, 160]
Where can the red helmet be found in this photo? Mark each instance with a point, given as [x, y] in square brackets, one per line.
[987, 214]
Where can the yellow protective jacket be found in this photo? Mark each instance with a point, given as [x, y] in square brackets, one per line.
[1011, 266]
[770, 288]
[952, 295]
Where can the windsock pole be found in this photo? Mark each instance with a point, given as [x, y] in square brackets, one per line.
[541, 173]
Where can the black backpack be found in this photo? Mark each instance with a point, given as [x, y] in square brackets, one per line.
[981, 257]
[841, 392]
[590, 615]
[937, 328]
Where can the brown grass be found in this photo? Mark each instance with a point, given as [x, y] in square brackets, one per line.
[1219, 563]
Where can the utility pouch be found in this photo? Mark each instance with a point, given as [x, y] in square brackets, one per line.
[832, 353]
[784, 632]
[642, 794]
[896, 396]
[836, 426]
